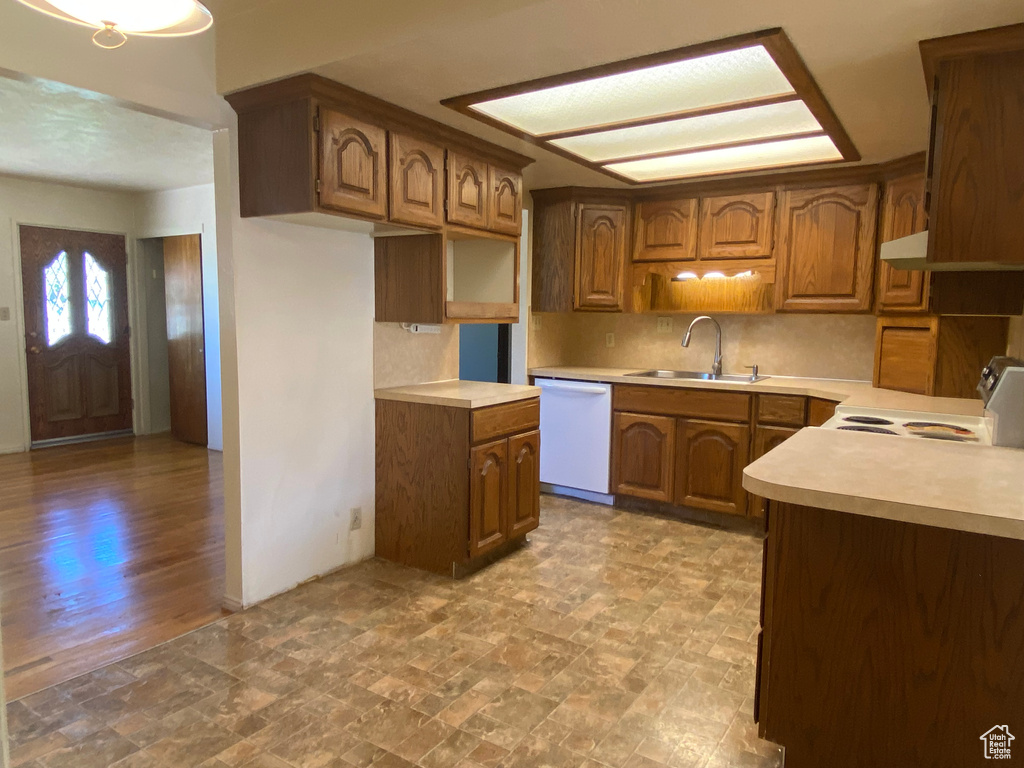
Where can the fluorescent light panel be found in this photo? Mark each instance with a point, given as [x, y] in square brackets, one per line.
[775, 154]
[748, 124]
[697, 83]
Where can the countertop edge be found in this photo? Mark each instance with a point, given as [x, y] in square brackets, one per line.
[403, 394]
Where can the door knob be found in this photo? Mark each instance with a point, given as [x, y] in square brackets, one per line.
[33, 334]
[34, 350]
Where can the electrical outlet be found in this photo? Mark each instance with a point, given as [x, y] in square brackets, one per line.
[664, 325]
[535, 322]
[357, 519]
[5, 314]
[609, 339]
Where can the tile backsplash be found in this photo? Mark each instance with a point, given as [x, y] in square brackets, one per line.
[824, 346]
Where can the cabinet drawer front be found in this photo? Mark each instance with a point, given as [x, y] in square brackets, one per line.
[498, 420]
[819, 411]
[694, 403]
[781, 409]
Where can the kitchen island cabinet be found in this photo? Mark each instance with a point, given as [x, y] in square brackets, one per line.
[458, 473]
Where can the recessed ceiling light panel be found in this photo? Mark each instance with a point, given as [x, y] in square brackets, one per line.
[751, 124]
[732, 105]
[682, 86]
[775, 154]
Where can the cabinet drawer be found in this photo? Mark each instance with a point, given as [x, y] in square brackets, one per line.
[819, 411]
[692, 403]
[498, 420]
[787, 410]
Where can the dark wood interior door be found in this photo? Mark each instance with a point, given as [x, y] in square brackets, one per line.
[186, 337]
[76, 332]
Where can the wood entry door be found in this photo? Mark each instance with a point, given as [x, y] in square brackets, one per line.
[76, 332]
[186, 337]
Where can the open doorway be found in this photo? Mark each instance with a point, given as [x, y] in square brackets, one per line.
[485, 352]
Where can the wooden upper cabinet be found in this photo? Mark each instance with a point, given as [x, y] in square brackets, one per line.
[506, 195]
[903, 213]
[737, 226]
[644, 453]
[666, 230]
[488, 497]
[600, 256]
[469, 199]
[826, 249]
[710, 458]
[352, 165]
[976, 201]
[523, 483]
[417, 181]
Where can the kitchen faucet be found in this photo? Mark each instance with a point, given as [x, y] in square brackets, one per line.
[716, 366]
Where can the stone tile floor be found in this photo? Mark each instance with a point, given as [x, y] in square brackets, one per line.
[614, 639]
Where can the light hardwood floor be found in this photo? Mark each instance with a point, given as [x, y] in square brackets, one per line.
[106, 549]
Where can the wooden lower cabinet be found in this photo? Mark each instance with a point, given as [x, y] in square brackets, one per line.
[644, 451]
[710, 458]
[765, 439]
[445, 498]
[523, 483]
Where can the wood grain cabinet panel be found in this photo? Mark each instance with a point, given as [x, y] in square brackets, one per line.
[644, 451]
[819, 411]
[495, 420]
[469, 198]
[352, 165]
[417, 181]
[903, 214]
[666, 230]
[788, 410]
[976, 204]
[765, 439]
[506, 196]
[488, 497]
[600, 257]
[523, 483]
[826, 249]
[737, 226]
[710, 458]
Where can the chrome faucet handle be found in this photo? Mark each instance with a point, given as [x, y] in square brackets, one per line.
[753, 371]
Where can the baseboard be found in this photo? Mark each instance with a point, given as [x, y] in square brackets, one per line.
[576, 493]
[232, 604]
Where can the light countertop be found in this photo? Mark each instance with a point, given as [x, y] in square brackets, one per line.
[456, 393]
[930, 482]
[855, 393]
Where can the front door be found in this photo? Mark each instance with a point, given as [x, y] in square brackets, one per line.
[76, 332]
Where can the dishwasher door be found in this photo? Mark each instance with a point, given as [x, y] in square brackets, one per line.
[576, 431]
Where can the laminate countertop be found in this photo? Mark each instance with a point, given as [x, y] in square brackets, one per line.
[456, 393]
[855, 393]
[960, 486]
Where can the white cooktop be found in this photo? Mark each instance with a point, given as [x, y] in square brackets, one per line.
[913, 424]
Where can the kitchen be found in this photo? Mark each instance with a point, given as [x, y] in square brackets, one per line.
[679, 532]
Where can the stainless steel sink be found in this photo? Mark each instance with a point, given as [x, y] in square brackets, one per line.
[662, 374]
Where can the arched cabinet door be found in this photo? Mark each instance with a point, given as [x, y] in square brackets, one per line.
[524, 483]
[488, 497]
[600, 256]
[506, 201]
[737, 226]
[352, 165]
[643, 453]
[709, 465]
[902, 290]
[666, 230]
[469, 198]
[417, 181]
[826, 252]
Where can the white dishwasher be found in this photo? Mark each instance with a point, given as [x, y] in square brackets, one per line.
[576, 432]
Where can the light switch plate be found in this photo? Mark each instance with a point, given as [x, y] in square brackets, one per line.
[609, 339]
[664, 325]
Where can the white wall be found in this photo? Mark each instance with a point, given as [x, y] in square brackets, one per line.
[51, 205]
[4, 755]
[184, 212]
[303, 311]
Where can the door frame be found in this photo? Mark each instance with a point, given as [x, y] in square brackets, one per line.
[137, 346]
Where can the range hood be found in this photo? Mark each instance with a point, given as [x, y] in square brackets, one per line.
[911, 252]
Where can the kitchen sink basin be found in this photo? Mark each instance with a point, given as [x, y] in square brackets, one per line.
[696, 375]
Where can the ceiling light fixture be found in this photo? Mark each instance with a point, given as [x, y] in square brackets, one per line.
[114, 20]
[745, 103]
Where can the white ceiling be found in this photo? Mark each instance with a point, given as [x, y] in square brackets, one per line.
[62, 134]
[863, 54]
